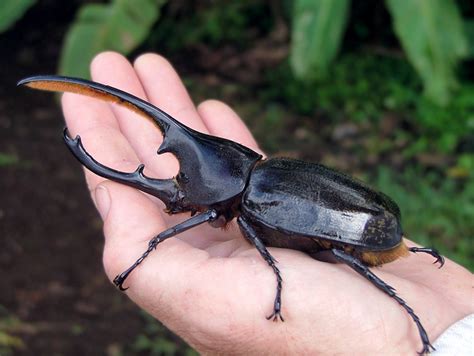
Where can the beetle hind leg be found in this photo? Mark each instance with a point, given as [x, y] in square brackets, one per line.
[363, 270]
[251, 235]
[431, 251]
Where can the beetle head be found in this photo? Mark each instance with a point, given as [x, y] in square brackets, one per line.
[212, 170]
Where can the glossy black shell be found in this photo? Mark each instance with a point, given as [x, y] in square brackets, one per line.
[311, 202]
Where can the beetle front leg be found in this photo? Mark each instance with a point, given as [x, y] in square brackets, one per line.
[194, 221]
[363, 270]
[251, 235]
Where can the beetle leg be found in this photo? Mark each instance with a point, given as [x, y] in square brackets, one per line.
[433, 252]
[164, 189]
[363, 270]
[194, 221]
[251, 235]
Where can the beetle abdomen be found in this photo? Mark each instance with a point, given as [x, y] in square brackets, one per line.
[300, 198]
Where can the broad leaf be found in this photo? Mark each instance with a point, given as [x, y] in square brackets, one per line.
[119, 26]
[317, 30]
[469, 29]
[11, 11]
[432, 35]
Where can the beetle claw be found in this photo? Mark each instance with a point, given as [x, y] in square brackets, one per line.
[427, 348]
[431, 251]
[118, 281]
[275, 316]
[440, 260]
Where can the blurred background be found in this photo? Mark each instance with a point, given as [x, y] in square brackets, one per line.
[382, 90]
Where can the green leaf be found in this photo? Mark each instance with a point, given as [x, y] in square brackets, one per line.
[119, 26]
[432, 35]
[469, 29]
[11, 11]
[8, 159]
[317, 30]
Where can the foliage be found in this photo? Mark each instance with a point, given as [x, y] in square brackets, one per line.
[431, 33]
[7, 159]
[469, 28]
[363, 87]
[318, 26]
[429, 214]
[449, 125]
[11, 11]
[154, 340]
[8, 341]
[226, 22]
[464, 167]
[121, 26]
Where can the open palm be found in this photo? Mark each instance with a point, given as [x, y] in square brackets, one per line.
[212, 287]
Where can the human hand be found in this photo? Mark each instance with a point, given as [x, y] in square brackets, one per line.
[209, 285]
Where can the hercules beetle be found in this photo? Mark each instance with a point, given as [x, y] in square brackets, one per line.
[278, 202]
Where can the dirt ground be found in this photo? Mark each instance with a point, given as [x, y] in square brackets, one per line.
[51, 238]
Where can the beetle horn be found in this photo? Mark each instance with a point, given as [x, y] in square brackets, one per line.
[103, 92]
[205, 161]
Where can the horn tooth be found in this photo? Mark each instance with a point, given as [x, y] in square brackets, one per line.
[163, 147]
[140, 169]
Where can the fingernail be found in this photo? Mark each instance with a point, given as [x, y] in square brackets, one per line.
[102, 201]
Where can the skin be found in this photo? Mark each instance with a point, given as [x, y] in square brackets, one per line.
[209, 285]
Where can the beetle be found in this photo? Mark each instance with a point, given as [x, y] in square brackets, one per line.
[278, 202]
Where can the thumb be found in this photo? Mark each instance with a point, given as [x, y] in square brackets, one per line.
[131, 219]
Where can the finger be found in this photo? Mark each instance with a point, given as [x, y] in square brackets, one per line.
[130, 221]
[222, 121]
[165, 89]
[96, 124]
[143, 135]
[83, 113]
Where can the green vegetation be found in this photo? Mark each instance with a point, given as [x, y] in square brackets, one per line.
[8, 159]
[362, 87]
[8, 341]
[11, 11]
[318, 26]
[155, 340]
[434, 35]
[431, 33]
[119, 26]
[233, 22]
[436, 211]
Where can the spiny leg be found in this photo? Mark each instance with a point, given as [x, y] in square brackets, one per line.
[363, 270]
[251, 235]
[209, 215]
[431, 251]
